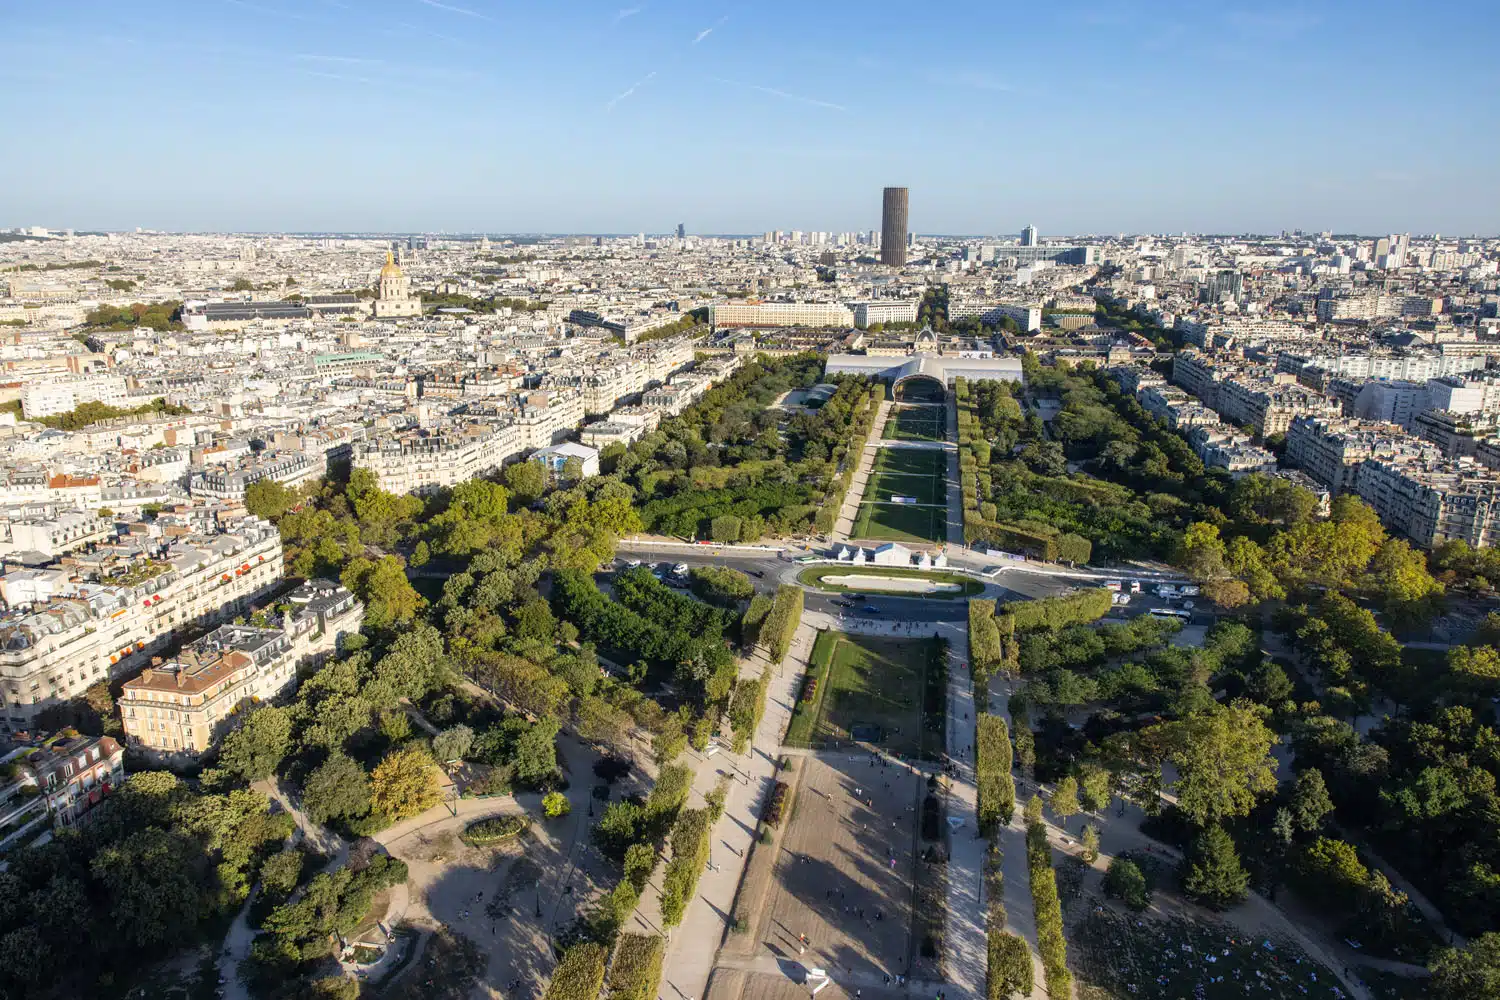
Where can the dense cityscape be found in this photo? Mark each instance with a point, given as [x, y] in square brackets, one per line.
[687, 501]
[443, 615]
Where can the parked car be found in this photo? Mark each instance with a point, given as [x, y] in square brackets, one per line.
[681, 569]
[633, 564]
[758, 574]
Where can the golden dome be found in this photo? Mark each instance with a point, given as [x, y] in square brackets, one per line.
[390, 270]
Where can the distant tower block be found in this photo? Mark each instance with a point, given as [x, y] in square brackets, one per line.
[1029, 236]
[893, 228]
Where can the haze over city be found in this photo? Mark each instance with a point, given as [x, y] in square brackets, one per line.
[480, 115]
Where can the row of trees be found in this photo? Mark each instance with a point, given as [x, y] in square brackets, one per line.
[997, 789]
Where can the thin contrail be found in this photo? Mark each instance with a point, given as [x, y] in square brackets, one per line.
[466, 12]
[815, 102]
[610, 106]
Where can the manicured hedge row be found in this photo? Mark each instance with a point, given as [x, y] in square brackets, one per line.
[1009, 966]
[1057, 612]
[1048, 909]
[747, 709]
[781, 624]
[997, 790]
[580, 974]
[635, 973]
[689, 855]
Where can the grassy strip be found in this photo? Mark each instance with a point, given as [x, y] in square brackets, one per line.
[815, 576]
[805, 711]
[1048, 909]
[997, 790]
[635, 973]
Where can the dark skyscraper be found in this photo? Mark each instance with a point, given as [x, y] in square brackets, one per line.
[893, 228]
[681, 230]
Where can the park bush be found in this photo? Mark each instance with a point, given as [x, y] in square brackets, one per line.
[781, 624]
[635, 973]
[1009, 966]
[1126, 882]
[1048, 911]
[984, 642]
[580, 974]
[689, 855]
[720, 585]
[809, 689]
[1056, 612]
[997, 790]
[775, 804]
[493, 830]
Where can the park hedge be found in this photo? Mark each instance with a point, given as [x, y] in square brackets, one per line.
[690, 839]
[580, 974]
[635, 973]
[493, 830]
[985, 651]
[1057, 612]
[754, 620]
[747, 708]
[1010, 971]
[997, 790]
[1047, 907]
[781, 624]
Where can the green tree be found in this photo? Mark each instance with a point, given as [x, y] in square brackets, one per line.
[404, 784]
[1268, 683]
[572, 470]
[255, 749]
[725, 529]
[279, 874]
[420, 556]
[1064, 800]
[1468, 973]
[1094, 788]
[338, 788]
[527, 481]
[1201, 551]
[536, 753]
[555, 804]
[1214, 875]
[1124, 881]
[453, 743]
[1310, 801]
[1090, 843]
[1223, 759]
[266, 498]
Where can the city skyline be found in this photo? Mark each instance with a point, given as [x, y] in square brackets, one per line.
[415, 115]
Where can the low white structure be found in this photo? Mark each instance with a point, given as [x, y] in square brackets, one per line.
[556, 458]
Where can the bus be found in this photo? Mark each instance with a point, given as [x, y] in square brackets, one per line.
[1176, 614]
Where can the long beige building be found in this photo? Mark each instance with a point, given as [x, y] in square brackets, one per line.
[183, 706]
[62, 635]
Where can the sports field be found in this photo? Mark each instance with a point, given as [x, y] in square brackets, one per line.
[869, 683]
[916, 423]
[918, 474]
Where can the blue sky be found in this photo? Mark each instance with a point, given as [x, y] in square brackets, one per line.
[584, 116]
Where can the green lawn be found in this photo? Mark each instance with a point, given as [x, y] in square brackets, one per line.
[889, 522]
[867, 681]
[916, 423]
[814, 577]
[905, 472]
